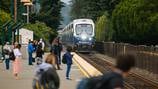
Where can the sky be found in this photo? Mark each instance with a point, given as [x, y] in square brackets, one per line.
[66, 1]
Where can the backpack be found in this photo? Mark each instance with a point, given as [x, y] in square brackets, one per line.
[99, 82]
[11, 56]
[6, 51]
[64, 61]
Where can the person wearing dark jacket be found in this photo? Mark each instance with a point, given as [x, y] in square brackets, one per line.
[39, 51]
[56, 49]
[7, 50]
[68, 57]
[113, 79]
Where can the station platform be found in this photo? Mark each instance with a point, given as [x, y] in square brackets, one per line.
[7, 80]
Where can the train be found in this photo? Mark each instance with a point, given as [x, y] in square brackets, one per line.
[79, 34]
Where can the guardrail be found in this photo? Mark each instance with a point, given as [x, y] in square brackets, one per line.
[146, 56]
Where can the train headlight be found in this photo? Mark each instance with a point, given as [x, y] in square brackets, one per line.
[90, 39]
[83, 37]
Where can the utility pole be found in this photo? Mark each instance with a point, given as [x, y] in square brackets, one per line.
[15, 10]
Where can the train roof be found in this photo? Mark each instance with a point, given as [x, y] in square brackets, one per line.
[82, 20]
[75, 21]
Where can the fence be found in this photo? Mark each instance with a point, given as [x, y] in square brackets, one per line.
[146, 56]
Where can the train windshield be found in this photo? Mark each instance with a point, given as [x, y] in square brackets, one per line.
[84, 28]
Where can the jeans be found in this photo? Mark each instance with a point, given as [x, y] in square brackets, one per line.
[7, 61]
[59, 58]
[30, 58]
[68, 70]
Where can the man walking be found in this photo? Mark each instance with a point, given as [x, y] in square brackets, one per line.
[7, 50]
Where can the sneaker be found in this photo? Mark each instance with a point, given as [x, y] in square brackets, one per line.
[68, 78]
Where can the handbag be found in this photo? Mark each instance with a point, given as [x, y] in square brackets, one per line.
[64, 61]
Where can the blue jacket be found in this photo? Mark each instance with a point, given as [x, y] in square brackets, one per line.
[30, 48]
[68, 58]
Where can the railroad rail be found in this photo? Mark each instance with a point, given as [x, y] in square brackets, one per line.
[133, 81]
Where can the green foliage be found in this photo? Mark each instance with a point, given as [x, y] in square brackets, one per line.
[5, 5]
[50, 13]
[92, 8]
[103, 31]
[4, 17]
[136, 21]
[41, 31]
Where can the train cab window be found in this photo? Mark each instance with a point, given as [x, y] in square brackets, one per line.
[87, 28]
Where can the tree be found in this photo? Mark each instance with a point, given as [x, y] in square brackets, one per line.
[103, 30]
[41, 31]
[136, 21]
[92, 8]
[50, 13]
[4, 17]
[5, 5]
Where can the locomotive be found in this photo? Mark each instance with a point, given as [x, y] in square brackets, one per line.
[79, 34]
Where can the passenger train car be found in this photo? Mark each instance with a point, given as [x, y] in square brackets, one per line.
[79, 34]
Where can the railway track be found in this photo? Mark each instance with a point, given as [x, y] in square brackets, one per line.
[133, 81]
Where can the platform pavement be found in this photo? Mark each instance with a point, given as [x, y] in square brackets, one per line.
[7, 80]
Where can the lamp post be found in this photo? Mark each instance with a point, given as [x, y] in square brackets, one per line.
[27, 3]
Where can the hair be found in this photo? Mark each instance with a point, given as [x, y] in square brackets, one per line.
[19, 46]
[50, 59]
[125, 62]
[69, 48]
[16, 46]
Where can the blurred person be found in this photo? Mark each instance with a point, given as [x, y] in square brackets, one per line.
[55, 49]
[60, 48]
[17, 61]
[68, 56]
[30, 51]
[46, 76]
[35, 45]
[39, 54]
[42, 42]
[111, 80]
[39, 51]
[7, 50]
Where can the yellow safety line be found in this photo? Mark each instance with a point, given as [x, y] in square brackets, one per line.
[81, 69]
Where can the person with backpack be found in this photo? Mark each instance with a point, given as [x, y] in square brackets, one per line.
[7, 50]
[68, 57]
[111, 80]
[46, 76]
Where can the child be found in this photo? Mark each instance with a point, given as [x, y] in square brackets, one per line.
[68, 58]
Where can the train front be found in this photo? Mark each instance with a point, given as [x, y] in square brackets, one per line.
[84, 37]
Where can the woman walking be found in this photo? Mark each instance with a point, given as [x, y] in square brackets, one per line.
[17, 61]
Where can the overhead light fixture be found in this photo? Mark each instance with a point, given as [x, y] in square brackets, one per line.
[25, 1]
[28, 4]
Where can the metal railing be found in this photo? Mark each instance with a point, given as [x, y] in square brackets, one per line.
[146, 56]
